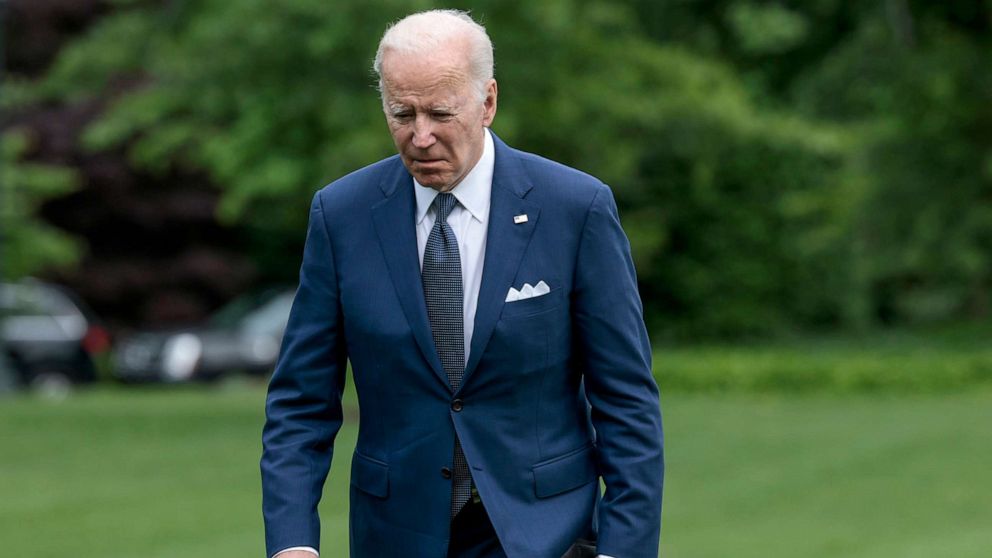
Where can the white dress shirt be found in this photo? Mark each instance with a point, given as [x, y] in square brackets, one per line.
[469, 221]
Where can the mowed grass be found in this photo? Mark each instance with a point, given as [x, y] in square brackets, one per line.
[173, 473]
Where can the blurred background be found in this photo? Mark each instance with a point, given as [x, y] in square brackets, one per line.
[807, 188]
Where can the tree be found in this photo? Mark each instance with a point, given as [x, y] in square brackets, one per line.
[775, 162]
[29, 244]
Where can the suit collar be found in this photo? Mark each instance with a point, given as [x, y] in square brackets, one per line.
[508, 173]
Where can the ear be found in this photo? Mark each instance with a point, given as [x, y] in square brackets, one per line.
[489, 104]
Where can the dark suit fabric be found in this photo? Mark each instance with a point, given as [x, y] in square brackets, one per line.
[472, 534]
[557, 392]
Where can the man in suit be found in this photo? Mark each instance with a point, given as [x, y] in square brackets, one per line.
[487, 302]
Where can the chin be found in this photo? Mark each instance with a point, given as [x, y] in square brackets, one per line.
[431, 181]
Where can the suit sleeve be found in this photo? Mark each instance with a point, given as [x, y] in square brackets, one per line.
[303, 407]
[616, 360]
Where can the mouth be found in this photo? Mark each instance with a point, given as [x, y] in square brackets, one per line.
[428, 165]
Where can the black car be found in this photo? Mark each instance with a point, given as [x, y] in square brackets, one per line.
[49, 337]
[242, 337]
[8, 383]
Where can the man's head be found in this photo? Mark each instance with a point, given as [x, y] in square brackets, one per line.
[438, 93]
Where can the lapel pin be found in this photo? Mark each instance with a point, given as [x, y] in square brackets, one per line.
[517, 219]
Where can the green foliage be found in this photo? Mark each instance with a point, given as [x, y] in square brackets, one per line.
[29, 245]
[926, 224]
[932, 360]
[733, 210]
[807, 165]
[801, 369]
[766, 28]
[271, 102]
[114, 48]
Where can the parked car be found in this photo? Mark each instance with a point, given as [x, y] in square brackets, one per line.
[244, 336]
[49, 337]
[8, 382]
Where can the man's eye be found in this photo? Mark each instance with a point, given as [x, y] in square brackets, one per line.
[442, 116]
[402, 116]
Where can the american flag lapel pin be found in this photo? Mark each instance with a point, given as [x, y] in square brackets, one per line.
[517, 219]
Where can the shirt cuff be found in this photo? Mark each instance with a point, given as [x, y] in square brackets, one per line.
[304, 548]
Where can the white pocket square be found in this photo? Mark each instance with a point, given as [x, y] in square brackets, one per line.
[527, 291]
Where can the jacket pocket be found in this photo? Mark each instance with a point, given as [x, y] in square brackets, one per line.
[533, 305]
[563, 473]
[370, 475]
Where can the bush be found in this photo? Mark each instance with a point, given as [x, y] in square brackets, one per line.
[881, 362]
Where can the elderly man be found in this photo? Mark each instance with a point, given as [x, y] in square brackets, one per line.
[487, 302]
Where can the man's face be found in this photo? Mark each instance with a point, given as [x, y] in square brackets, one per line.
[435, 115]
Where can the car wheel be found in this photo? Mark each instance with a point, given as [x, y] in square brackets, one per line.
[52, 385]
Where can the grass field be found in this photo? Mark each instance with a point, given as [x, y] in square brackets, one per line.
[173, 473]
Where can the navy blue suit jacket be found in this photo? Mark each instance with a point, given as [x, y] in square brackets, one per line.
[557, 391]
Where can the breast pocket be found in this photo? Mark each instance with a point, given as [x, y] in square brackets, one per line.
[533, 305]
[520, 342]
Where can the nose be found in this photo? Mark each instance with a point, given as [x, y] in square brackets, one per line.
[423, 133]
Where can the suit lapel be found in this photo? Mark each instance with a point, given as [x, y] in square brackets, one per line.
[395, 226]
[506, 242]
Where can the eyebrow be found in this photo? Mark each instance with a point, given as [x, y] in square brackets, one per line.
[400, 108]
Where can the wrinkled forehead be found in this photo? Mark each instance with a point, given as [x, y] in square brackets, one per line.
[424, 75]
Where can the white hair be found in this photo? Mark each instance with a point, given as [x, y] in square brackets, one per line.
[424, 32]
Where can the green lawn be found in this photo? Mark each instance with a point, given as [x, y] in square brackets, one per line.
[173, 473]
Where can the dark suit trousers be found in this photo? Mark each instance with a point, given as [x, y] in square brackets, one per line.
[473, 536]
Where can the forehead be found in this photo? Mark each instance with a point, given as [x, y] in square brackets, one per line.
[417, 78]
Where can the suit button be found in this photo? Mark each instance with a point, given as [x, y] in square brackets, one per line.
[457, 405]
[446, 472]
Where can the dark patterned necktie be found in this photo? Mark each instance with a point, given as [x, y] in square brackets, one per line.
[442, 277]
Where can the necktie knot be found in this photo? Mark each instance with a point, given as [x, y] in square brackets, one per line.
[445, 203]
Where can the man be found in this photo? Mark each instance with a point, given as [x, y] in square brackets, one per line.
[487, 302]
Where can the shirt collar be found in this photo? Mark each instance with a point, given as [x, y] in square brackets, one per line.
[474, 192]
